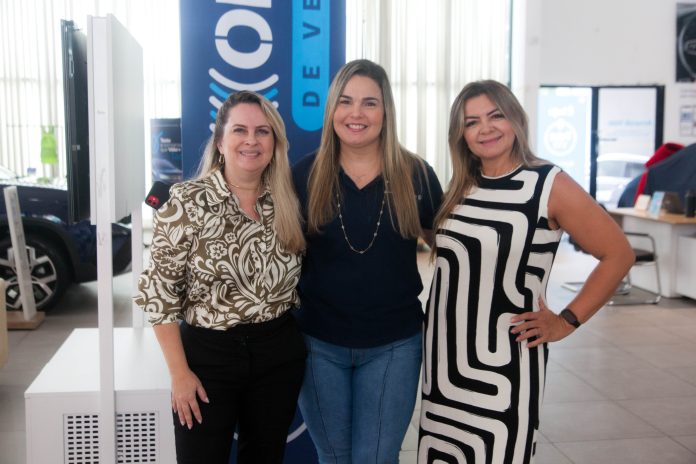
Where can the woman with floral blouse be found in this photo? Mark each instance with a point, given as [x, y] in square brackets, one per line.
[225, 260]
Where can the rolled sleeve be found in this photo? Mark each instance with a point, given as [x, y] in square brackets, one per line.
[162, 286]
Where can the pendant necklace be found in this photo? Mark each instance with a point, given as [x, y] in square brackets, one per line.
[379, 221]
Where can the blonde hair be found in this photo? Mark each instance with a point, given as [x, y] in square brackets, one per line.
[398, 164]
[466, 167]
[287, 222]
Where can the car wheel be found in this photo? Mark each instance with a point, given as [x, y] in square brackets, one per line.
[50, 274]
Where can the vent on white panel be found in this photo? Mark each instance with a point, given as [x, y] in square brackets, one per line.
[136, 438]
[81, 438]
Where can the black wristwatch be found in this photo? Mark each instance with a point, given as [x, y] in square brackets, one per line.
[570, 317]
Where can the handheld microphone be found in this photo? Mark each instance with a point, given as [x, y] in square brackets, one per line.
[159, 193]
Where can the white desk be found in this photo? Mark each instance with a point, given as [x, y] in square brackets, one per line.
[666, 230]
[62, 404]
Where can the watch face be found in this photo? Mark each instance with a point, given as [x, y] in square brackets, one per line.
[568, 315]
[686, 43]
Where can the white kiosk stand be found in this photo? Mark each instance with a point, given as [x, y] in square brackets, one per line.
[105, 395]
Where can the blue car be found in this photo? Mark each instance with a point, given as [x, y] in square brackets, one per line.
[59, 253]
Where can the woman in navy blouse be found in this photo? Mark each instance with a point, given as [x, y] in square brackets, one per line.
[366, 200]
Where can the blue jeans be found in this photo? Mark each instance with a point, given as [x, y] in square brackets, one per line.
[357, 403]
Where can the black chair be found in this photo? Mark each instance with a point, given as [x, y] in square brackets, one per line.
[626, 294]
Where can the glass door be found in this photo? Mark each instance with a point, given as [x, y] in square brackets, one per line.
[601, 136]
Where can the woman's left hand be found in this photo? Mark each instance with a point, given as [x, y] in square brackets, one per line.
[544, 324]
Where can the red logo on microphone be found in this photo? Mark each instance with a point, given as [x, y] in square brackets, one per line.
[152, 201]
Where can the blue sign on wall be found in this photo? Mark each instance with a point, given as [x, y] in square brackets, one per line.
[286, 50]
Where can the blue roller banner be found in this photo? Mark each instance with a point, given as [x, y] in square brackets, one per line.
[287, 50]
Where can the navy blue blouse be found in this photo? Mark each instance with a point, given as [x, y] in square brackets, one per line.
[362, 300]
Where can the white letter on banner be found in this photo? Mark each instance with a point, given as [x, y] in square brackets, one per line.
[234, 18]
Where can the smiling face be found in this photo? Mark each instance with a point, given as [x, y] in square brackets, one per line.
[487, 132]
[247, 141]
[359, 114]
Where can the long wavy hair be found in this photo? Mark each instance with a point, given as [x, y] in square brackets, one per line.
[466, 166]
[287, 223]
[398, 164]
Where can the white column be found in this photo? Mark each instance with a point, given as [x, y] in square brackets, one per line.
[526, 58]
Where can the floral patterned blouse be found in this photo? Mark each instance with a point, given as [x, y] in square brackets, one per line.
[212, 265]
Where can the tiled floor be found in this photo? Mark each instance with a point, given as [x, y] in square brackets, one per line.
[622, 389]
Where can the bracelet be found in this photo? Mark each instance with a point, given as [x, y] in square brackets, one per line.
[570, 317]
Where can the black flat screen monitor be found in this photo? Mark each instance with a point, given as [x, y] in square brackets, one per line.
[74, 42]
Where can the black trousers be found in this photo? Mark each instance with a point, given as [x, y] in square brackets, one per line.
[252, 374]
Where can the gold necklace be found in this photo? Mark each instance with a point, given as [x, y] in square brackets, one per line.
[379, 221]
[230, 184]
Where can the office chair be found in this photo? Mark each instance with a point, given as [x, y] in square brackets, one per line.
[626, 294]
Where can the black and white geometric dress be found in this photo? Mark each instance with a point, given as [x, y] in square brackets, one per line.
[482, 390]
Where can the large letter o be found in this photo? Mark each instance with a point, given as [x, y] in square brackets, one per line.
[242, 60]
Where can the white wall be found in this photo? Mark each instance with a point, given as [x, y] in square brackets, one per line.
[613, 42]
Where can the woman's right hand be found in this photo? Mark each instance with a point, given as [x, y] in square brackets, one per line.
[185, 387]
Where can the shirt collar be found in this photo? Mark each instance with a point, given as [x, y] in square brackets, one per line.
[216, 191]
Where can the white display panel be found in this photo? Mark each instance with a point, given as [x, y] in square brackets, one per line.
[117, 141]
[117, 115]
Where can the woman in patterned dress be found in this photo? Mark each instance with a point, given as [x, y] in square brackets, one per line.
[225, 260]
[487, 324]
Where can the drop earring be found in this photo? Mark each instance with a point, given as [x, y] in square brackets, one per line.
[221, 159]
